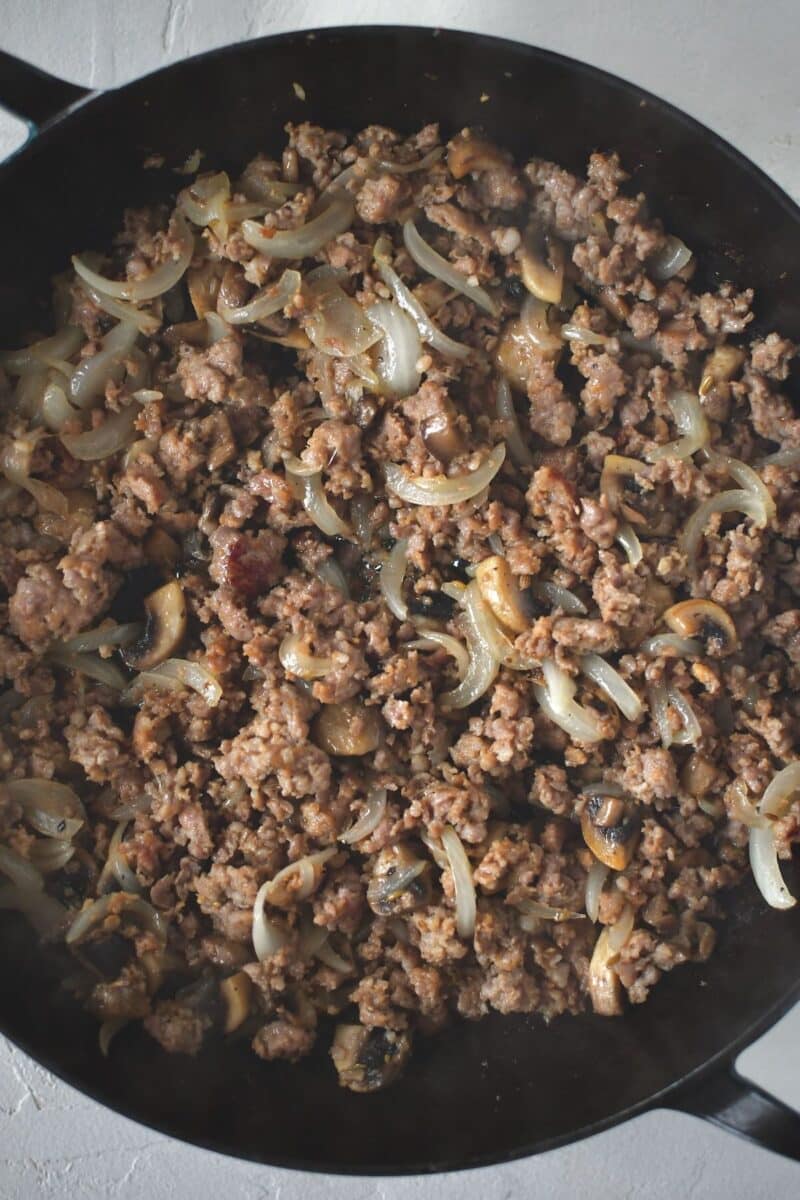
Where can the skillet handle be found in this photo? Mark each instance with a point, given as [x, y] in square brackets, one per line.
[34, 95]
[727, 1100]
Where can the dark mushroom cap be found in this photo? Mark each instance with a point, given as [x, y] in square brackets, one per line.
[610, 828]
[164, 630]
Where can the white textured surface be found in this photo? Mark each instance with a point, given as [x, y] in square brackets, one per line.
[733, 65]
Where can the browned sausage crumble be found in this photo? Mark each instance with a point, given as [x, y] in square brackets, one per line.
[374, 688]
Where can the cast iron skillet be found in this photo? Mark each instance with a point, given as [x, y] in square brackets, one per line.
[504, 1087]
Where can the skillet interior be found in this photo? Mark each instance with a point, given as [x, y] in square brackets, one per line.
[506, 1086]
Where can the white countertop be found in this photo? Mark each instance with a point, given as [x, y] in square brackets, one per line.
[731, 63]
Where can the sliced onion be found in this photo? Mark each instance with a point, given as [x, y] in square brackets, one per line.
[533, 911]
[370, 819]
[271, 299]
[462, 882]
[327, 955]
[334, 216]
[90, 377]
[627, 538]
[50, 808]
[205, 200]
[51, 854]
[160, 279]
[45, 914]
[670, 259]
[662, 698]
[108, 1031]
[190, 674]
[787, 456]
[56, 408]
[110, 866]
[90, 665]
[146, 322]
[736, 500]
[520, 453]
[429, 332]
[747, 478]
[29, 393]
[444, 489]
[743, 809]
[19, 870]
[116, 432]
[558, 597]
[399, 350]
[33, 358]
[609, 680]
[295, 659]
[483, 662]
[691, 421]
[621, 930]
[335, 323]
[671, 643]
[579, 333]
[595, 882]
[276, 890]
[433, 637]
[312, 496]
[555, 700]
[428, 260]
[15, 464]
[93, 914]
[330, 572]
[268, 938]
[763, 850]
[393, 571]
[408, 168]
[536, 326]
[111, 635]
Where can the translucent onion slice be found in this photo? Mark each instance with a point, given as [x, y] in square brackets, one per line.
[112, 862]
[736, 500]
[520, 453]
[565, 712]
[747, 478]
[51, 854]
[595, 882]
[330, 572]
[146, 322]
[134, 906]
[31, 359]
[578, 333]
[111, 635]
[15, 464]
[45, 914]
[558, 597]
[295, 659]
[399, 350]
[56, 408]
[334, 216]
[370, 819]
[487, 625]
[662, 698]
[312, 496]
[462, 882]
[408, 168]
[393, 572]
[205, 200]
[763, 850]
[671, 644]
[428, 260]
[192, 675]
[90, 377]
[787, 456]
[671, 258]
[271, 299]
[327, 955]
[627, 538]
[443, 489]
[19, 870]
[335, 323]
[609, 680]
[268, 938]
[90, 665]
[691, 422]
[483, 663]
[280, 890]
[116, 432]
[533, 911]
[50, 808]
[429, 332]
[431, 638]
[108, 1031]
[537, 327]
[743, 809]
[160, 280]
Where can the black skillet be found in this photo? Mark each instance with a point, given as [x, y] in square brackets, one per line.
[504, 1087]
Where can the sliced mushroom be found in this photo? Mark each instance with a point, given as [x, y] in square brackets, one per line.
[400, 881]
[203, 284]
[499, 589]
[720, 367]
[698, 774]
[705, 620]
[194, 333]
[610, 828]
[605, 988]
[541, 261]
[162, 550]
[349, 728]
[616, 469]
[516, 355]
[236, 992]
[467, 153]
[368, 1059]
[442, 436]
[164, 630]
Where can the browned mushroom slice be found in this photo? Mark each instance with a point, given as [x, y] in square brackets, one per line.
[348, 728]
[610, 829]
[605, 989]
[236, 992]
[368, 1059]
[400, 881]
[442, 436]
[467, 153]
[541, 260]
[616, 469]
[203, 284]
[720, 366]
[705, 620]
[162, 550]
[164, 630]
[194, 333]
[499, 589]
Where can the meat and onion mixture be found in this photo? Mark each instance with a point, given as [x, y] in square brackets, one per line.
[400, 619]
